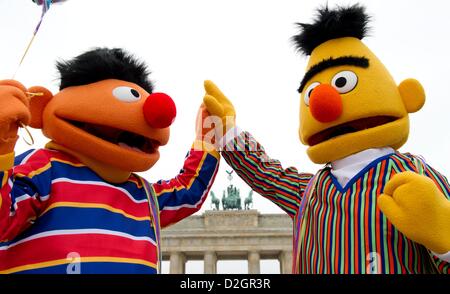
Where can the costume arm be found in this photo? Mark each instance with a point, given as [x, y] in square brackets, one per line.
[184, 194]
[24, 193]
[263, 174]
[442, 261]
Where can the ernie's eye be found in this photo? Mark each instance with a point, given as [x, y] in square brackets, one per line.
[344, 81]
[309, 91]
[126, 94]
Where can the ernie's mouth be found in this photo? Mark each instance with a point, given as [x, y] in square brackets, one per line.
[124, 139]
[349, 127]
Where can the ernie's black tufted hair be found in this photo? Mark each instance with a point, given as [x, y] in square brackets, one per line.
[102, 64]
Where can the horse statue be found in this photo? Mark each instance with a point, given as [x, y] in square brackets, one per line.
[248, 202]
[215, 202]
[232, 200]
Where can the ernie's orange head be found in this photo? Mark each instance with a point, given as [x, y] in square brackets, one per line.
[106, 110]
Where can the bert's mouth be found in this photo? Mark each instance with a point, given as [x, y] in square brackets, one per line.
[124, 139]
[349, 127]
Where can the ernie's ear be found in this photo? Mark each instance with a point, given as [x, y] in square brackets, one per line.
[413, 94]
[37, 104]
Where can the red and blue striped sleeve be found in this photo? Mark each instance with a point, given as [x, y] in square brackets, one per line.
[184, 194]
[24, 192]
[265, 175]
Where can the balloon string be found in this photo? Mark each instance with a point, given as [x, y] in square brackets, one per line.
[22, 125]
[31, 94]
[28, 132]
[45, 8]
[23, 56]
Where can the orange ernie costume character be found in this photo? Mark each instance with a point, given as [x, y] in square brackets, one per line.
[79, 199]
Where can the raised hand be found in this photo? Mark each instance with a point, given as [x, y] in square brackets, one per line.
[220, 106]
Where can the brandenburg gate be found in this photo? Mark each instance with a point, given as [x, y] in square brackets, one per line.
[227, 235]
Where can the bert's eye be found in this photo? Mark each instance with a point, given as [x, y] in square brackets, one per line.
[309, 91]
[344, 81]
[126, 94]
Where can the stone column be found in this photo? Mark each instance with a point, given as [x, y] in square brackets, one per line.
[285, 259]
[177, 263]
[253, 262]
[210, 261]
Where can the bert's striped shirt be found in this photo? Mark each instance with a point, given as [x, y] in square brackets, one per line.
[56, 214]
[345, 232]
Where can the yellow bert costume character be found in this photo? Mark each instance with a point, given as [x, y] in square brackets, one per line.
[371, 209]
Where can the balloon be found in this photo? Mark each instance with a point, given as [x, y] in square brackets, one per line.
[40, 2]
[46, 4]
[45, 7]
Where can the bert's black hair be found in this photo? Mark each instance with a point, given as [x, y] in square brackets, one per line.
[101, 64]
[332, 24]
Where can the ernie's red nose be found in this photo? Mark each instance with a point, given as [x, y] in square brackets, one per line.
[325, 103]
[159, 110]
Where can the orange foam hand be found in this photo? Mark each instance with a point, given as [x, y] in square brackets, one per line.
[13, 112]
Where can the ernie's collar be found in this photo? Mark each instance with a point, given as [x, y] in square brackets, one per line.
[106, 172]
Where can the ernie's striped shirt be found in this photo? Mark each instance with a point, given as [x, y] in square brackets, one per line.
[58, 216]
[345, 231]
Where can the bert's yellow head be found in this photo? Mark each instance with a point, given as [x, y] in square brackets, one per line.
[349, 101]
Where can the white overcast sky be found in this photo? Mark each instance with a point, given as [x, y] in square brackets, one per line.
[242, 45]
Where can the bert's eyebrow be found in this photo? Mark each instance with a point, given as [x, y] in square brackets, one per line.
[331, 62]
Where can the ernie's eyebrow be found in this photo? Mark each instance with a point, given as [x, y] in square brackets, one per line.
[331, 62]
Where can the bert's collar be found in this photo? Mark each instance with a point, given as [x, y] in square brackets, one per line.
[346, 168]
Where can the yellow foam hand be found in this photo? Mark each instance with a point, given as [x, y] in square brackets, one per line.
[219, 105]
[417, 208]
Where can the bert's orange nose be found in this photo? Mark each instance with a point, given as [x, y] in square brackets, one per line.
[159, 110]
[325, 103]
